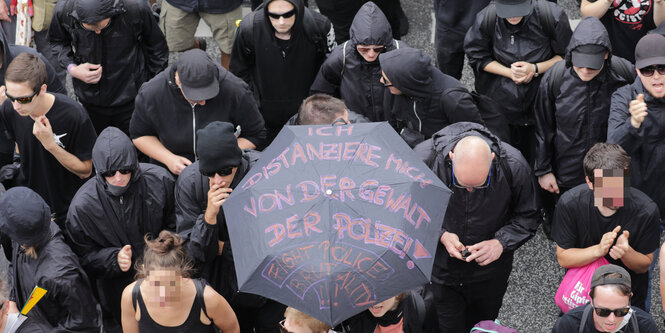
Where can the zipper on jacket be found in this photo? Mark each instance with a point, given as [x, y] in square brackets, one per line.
[587, 115]
[420, 122]
[512, 39]
[283, 55]
[121, 200]
[194, 131]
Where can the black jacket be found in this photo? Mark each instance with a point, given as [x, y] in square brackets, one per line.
[69, 304]
[570, 123]
[280, 76]
[206, 6]
[645, 145]
[126, 62]
[161, 110]
[201, 238]
[509, 210]
[430, 100]
[347, 75]
[526, 41]
[99, 223]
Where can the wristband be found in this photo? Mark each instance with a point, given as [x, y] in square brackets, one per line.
[69, 67]
[535, 65]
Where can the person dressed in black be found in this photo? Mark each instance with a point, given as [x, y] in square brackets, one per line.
[493, 210]
[40, 258]
[186, 97]
[166, 299]
[278, 50]
[572, 108]
[111, 213]
[110, 48]
[352, 70]
[201, 191]
[509, 52]
[52, 132]
[606, 218]
[423, 100]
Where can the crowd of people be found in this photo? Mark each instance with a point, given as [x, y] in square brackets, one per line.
[115, 199]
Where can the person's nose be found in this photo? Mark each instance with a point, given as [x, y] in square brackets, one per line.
[281, 20]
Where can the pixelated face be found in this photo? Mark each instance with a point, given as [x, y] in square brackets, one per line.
[282, 16]
[609, 187]
[380, 309]
[165, 285]
[606, 297]
[291, 326]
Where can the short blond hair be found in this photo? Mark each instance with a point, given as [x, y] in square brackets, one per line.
[305, 320]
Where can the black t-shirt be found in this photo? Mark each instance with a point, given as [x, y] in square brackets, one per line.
[73, 131]
[570, 322]
[627, 23]
[579, 224]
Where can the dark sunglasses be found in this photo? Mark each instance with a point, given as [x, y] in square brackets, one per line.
[283, 329]
[224, 172]
[602, 312]
[365, 49]
[22, 99]
[284, 15]
[480, 187]
[648, 71]
[111, 173]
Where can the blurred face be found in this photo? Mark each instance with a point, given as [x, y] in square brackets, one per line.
[386, 83]
[119, 178]
[609, 188]
[380, 309]
[23, 98]
[606, 297]
[164, 285]
[282, 15]
[652, 80]
[515, 20]
[97, 27]
[370, 52]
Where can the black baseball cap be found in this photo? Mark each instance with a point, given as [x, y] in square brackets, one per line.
[513, 8]
[610, 274]
[650, 50]
[589, 56]
[198, 75]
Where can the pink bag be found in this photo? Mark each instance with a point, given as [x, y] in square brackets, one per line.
[575, 286]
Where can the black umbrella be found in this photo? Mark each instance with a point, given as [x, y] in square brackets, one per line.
[333, 219]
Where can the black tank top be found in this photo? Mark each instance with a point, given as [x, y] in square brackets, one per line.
[193, 323]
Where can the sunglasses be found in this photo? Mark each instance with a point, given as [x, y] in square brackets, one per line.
[365, 49]
[111, 173]
[283, 329]
[223, 172]
[649, 71]
[602, 312]
[480, 187]
[22, 99]
[284, 15]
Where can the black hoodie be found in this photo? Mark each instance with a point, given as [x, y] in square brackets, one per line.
[508, 210]
[69, 304]
[570, 123]
[430, 100]
[126, 62]
[280, 72]
[99, 223]
[347, 75]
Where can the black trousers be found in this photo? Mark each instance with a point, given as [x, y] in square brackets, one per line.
[449, 52]
[116, 116]
[260, 320]
[460, 307]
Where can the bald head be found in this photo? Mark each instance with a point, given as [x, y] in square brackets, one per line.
[472, 158]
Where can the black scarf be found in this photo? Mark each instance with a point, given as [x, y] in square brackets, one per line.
[391, 317]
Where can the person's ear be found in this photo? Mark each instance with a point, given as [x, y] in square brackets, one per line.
[588, 182]
[42, 89]
[451, 155]
[177, 79]
[493, 156]
[607, 55]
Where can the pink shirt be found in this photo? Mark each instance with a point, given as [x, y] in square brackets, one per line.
[397, 328]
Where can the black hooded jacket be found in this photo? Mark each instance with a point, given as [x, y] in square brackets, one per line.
[430, 100]
[201, 239]
[128, 57]
[99, 223]
[509, 210]
[347, 75]
[69, 304]
[280, 72]
[526, 41]
[645, 145]
[570, 123]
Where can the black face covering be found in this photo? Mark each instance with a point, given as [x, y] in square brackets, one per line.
[391, 317]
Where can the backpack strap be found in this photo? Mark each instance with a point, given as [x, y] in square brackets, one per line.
[135, 293]
[344, 57]
[633, 321]
[585, 315]
[68, 19]
[546, 16]
[419, 305]
[554, 79]
[489, 21]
